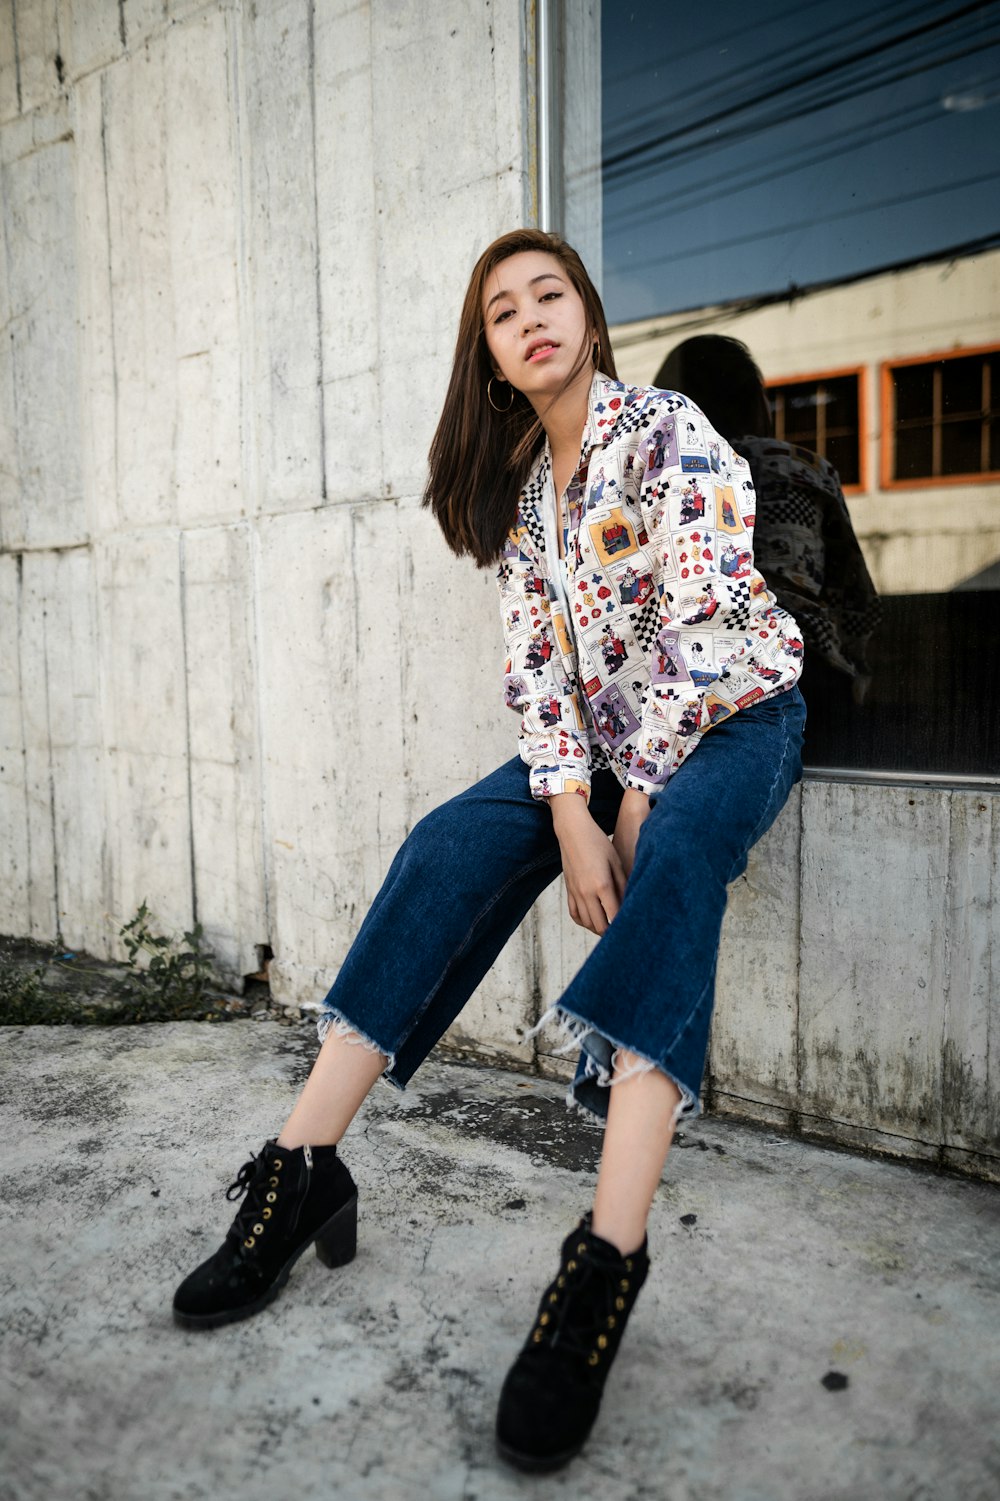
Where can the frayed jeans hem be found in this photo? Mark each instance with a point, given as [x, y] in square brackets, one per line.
[331, 1021]
[598, 1060]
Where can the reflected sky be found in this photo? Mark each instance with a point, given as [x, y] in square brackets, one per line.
[751, 148]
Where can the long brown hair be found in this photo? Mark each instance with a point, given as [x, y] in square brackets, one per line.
[480, 458]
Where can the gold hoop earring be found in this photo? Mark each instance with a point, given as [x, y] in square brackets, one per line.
[489, 394]
[597, 360]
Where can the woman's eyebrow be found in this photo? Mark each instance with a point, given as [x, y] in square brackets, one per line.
[545, 276]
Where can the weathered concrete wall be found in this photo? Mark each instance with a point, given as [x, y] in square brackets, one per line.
[235, 238]
[856, 997]
[238, 662]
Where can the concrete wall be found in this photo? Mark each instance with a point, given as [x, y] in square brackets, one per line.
[238, 662]
[235, 241]
[856, 992]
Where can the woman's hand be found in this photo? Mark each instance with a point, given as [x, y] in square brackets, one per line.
[595, 880]
[632, 814]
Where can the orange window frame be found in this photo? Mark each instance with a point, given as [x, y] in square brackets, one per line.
[861, 488]
[888, 455]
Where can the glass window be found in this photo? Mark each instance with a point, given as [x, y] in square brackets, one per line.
[823, 415]
[943, 417]
[820, 182]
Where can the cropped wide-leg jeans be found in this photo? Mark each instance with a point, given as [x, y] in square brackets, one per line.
[471, 870]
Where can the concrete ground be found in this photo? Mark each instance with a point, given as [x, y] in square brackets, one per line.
[775, 1264]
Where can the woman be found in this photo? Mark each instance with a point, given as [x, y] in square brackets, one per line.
[603, 505]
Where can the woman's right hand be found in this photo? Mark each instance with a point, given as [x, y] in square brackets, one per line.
[594, 875]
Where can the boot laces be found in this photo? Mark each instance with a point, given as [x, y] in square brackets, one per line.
[585, 1314]
[249, 1185]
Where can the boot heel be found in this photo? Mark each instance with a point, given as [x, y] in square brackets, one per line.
[337, 1242]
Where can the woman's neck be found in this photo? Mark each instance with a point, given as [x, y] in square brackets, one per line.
[565, 419]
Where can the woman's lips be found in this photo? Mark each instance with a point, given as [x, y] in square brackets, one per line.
[542, 352]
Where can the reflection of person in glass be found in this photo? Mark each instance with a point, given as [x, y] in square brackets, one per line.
[804, 543]
[647, 828]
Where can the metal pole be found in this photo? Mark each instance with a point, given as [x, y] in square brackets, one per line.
[549, 124]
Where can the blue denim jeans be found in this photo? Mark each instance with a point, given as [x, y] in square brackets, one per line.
[471, 870]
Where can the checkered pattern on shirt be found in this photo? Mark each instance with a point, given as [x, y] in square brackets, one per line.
[737, 617]
[646, 627]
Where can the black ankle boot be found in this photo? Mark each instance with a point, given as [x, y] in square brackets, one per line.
[552, 1393]
[292, 1198]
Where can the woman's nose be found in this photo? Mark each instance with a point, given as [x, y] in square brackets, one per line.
[530, 322]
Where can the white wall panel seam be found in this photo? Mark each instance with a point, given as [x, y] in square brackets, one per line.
[186, 689]
[317, 253]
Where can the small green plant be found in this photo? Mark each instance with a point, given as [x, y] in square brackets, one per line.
[162, 980]
[23, 999]
[165, 980]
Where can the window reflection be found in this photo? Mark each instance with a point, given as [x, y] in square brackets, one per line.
[868, 290]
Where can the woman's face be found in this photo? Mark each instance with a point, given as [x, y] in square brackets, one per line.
[536, 324]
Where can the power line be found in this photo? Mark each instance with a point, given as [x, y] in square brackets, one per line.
[781, 229]
[910, 119]
[748, 129]
[626, 160]
[789, 59]
[741, 307]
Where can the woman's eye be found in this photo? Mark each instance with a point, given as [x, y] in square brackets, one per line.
[509, 313]
[547, 295]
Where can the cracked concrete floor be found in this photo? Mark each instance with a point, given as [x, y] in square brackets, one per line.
[775, 1264]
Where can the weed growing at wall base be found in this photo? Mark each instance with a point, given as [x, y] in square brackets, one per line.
[163, 979]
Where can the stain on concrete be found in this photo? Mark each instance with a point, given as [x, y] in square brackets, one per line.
[527, 1122]
[87, 1100]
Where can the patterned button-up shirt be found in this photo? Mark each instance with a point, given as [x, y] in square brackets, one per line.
[671, 627]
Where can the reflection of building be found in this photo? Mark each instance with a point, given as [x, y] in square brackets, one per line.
[897, 379]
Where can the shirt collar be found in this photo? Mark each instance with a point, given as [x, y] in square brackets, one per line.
[598, 429]
[601, 414]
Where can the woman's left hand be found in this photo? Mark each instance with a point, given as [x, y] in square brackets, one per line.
[632, 815]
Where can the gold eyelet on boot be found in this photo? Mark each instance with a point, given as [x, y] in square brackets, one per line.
[581, 1248]
[623, 1284]
[271, 1198]
[545, 1318]
[277, 1164]
[611, 1321]
[571, 1266]
[272, 1182]
[553, 1297]
[593, 1358]
[560, 1282]
[628, 1263]
[602, 1341]
[537, 1336]
[620, 1304]
[258, 1229]
[249, 1242]
[265, 1214]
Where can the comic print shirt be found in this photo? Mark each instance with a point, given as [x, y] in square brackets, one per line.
[671, 629]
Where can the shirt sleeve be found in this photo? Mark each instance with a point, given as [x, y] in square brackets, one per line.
[705, 498]
[553, 742]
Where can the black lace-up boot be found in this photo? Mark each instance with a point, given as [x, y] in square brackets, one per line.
[552, 1393]
[291, 1199]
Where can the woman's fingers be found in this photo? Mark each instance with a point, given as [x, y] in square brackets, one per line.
[594, 874]
[597, 909]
